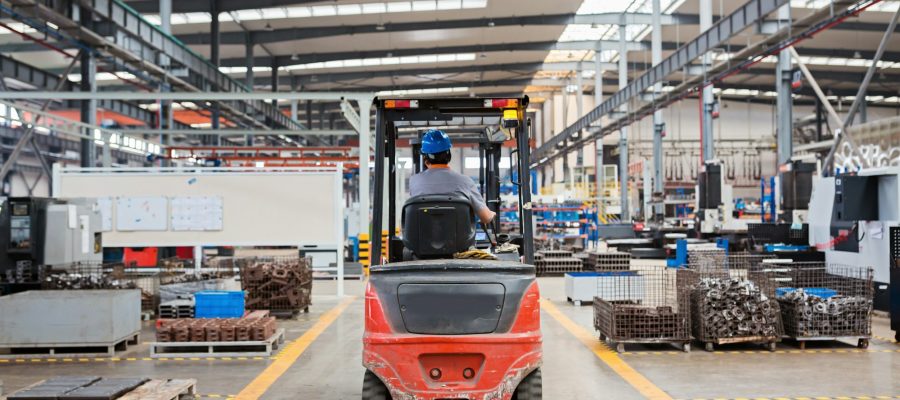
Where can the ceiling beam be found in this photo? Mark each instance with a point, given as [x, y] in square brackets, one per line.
[290, 34]
[288, 60]
[152, 6]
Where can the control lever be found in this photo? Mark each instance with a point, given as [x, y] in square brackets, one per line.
[490, 235]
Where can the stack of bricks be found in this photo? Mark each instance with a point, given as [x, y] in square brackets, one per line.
[255, 327]
[607, 261]
[556, 262]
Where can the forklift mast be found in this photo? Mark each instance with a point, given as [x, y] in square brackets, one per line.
[487, 118]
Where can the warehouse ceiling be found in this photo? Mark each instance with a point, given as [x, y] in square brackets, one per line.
[474, 47]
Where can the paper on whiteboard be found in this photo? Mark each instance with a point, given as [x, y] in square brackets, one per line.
[197, 213]
[106, 213]
[141, 213]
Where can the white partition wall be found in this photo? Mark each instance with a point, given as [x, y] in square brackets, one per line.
[301, 207]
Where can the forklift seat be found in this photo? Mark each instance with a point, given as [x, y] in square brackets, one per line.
[437, 226]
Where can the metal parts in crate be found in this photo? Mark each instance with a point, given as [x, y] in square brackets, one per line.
[282, 285]
[734, 309]
[648, 305]
[822, 301]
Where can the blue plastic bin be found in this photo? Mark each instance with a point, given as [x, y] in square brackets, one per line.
[219, 304]
[812, 291]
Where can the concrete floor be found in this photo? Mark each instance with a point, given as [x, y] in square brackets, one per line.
[330, 367]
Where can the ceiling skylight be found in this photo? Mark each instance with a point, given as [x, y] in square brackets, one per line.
[326, 10]
[362, 62]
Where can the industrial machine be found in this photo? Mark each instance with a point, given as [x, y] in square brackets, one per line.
[860, 225]
[796, 189]
[715, 207]
[438, 327]
[41, 232]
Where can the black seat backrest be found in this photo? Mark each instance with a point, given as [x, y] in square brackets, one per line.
[436, 226]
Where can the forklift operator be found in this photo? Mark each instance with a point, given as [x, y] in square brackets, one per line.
[440, 179]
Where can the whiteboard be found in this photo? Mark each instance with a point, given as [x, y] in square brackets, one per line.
[105, 204]
[144, 213]
[197, 213]
[259, 207]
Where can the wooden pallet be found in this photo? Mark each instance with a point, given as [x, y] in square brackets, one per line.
[252, 348]
[84, 349]
[156, 389]
[172, 389]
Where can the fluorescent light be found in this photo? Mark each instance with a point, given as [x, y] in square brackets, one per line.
[369, 62]
[104, 76]
[406, 92]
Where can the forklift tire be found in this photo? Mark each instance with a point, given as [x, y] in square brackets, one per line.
[374, 388]
[530, 388]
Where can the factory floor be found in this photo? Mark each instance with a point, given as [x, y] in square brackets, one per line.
[321, 360]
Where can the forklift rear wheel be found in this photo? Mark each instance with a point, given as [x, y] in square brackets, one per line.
[374, 388]
[530, 388]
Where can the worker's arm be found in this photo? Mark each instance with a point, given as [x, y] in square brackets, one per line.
[486, 215]
[481, 209]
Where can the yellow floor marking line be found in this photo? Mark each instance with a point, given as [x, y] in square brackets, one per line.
[292, 352]
[610, 358]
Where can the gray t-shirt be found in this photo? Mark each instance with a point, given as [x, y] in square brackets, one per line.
[445, 181]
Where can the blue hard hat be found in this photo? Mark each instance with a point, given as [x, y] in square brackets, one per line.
[435, 141]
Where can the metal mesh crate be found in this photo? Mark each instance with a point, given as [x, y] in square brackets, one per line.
[822, 301]
[735, 306]
[607, 261]
[280, 284]
[721, 260]
[647, 305]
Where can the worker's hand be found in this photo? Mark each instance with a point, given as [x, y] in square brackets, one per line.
[488, 216]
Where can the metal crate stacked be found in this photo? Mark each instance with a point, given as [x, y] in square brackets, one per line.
[822, 301]
[607, 261]
[645, 305]
[732, 301]
[556, 263]
[175, 309]
[282, 285]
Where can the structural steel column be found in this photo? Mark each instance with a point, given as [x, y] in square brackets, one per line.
[579, 108]
[274, 76]
[248, 60]
[166, 116]
[706, 123]
[784, 101]
[364, 133]
[623, 132]
[659, 125]
[248, 80]
[88, 107]
[598, 145]
[214, 58]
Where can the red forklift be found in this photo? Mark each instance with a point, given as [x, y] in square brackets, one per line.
[438, 327]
